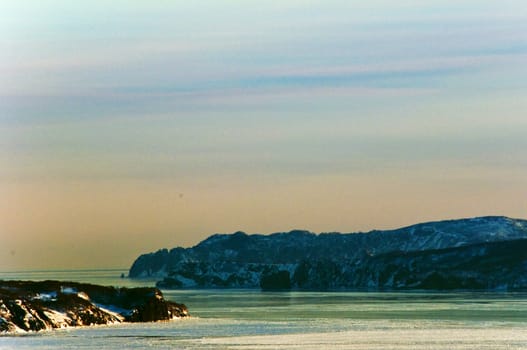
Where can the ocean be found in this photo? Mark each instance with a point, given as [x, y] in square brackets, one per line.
[251, 319]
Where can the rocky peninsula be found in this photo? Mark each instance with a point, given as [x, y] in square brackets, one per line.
[35, 306]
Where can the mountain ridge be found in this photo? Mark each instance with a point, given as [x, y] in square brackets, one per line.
[240, 260]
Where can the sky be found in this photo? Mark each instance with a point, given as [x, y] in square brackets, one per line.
[129, 126]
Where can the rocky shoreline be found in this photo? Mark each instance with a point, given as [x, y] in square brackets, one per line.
[27, 306]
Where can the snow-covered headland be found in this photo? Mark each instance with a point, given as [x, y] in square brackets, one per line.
[35, 306]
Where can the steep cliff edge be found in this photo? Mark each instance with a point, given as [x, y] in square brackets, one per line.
[435, 255]
[34, 306]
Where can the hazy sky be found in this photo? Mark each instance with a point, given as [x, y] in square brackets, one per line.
[128, 126]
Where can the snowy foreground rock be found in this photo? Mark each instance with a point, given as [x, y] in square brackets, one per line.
[34, 306]
[478, 253]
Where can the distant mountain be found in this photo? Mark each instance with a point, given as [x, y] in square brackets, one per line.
[476, 253]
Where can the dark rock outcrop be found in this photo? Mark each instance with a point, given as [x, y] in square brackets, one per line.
[452, 254]
[35, 306]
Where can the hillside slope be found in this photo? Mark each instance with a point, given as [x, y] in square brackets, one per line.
[439, 255]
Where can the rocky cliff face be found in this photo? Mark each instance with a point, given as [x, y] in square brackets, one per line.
[35, 306]
[438, 255]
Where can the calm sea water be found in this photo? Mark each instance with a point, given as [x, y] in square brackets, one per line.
[246, 319]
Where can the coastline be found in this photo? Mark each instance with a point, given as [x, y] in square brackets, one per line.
[45, 305]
